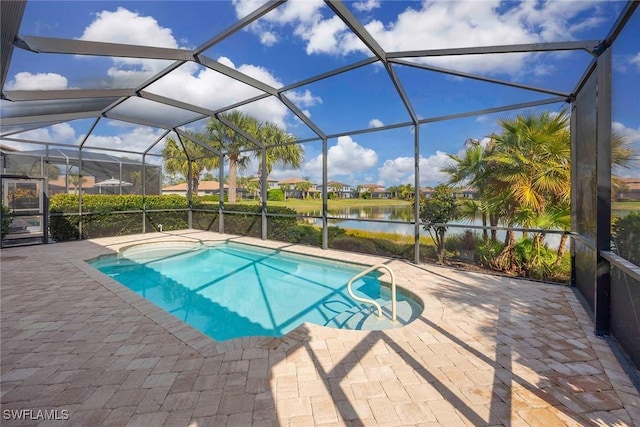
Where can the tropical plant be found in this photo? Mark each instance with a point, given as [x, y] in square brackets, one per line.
[7, 219]
[470, 169]
[75, 180]
[626, 234]
[334, 189]
[303, 187]
[281, 147]
[407, 191]
[529, 166]
[439, 208]
[188, 158]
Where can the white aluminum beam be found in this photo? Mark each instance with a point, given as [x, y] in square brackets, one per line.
[476, 77]
[56, 118]
[49, 95]
[92, 48]
[358, 29]
[588, 45]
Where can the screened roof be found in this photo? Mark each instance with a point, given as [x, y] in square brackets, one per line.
[123, 75]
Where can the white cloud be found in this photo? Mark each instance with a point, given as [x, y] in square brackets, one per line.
[441, 24]
[268, 38]
[636, 61]
[304, 99]
[324, 36]
[39, 81]
[344, 159]
[401, 170]
[366, 6]
[375, 123]
[207, 88]
[61, 133]
[127, 27]
[137, 138]
[632, 136]
[124, 26]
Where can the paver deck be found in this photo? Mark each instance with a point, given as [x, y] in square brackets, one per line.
[487, 350]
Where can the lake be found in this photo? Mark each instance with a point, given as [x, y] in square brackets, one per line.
[348, 219]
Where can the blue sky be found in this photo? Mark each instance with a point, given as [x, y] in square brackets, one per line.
[304, 38]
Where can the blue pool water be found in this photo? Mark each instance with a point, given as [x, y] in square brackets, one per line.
[229, 290]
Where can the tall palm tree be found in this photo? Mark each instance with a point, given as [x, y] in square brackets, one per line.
[282, 149]
[194, 156]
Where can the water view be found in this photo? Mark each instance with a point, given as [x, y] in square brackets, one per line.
[349, 218]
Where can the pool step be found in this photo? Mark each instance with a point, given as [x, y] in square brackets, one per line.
[365, 317]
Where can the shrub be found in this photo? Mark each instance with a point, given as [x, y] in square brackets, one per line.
[7, 219]
[488, 251]
[355, 244]
[453, 243]
[626, 234]
[468, 240]
[533, 263]
[275, 195]
[302, 234]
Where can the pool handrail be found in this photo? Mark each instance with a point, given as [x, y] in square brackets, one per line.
[370, 301]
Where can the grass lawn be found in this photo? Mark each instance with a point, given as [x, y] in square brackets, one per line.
[627, 206]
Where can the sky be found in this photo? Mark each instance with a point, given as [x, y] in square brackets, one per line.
[302, 39]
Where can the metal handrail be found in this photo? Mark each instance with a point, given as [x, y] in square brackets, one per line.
[370, 301]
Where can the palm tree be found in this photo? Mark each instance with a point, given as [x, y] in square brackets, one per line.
[281, 148]
[193, 156]
[530, 172]
[303, 187]
[406, 191]
[471, 169]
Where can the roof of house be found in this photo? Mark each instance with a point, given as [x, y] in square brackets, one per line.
[202, 186]
[631, 183]
[292, 181]
[269, 179]
[60, 181]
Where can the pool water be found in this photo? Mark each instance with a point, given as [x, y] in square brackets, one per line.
[231, 290]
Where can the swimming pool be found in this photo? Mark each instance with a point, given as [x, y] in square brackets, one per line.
[230, 290]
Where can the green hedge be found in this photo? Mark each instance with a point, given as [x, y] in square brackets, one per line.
[103, 220]
[246, 220]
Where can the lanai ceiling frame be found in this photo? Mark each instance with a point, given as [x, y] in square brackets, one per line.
[43, 44]
[110, 99]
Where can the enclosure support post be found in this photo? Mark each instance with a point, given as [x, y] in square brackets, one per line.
[45, 215]
[416, 196]
[189, 192]
[144, 194]
[325, 196]
[603, 184]
[79, 190]
[263, 181]
[574, 197]
[221, 190]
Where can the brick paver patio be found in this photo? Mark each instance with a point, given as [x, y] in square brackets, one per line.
[487, 350]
